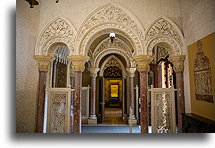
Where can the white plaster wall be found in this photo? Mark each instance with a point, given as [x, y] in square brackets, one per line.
[26, 68]
[198, 19]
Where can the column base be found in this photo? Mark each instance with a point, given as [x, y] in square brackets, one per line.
[133, 120]
[92, 120]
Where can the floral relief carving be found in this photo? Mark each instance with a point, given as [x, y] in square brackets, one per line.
[173, 51]
[111, 14]
[115, 47]
[163, 28]
[112, 62]
[116, 44]
[58, 31]
[136, 42]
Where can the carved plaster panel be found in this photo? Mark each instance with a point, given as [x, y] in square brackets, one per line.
[136, 43]
[57, 31]
[163, 27]
[110, 13]
[175, 50]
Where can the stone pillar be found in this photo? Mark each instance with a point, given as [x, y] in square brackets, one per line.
[43, 66]
[131, 74]
[78, 66]
[93, 74]
[142, 62]
[178, 66]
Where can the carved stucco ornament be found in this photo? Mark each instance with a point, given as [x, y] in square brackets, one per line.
[116, 47]
[202, 76]
[78, 62]
[178, 62]
[163, 28]
[57, 31]
[143, 61]
[108, 17]
[163, 31]
[43, 62]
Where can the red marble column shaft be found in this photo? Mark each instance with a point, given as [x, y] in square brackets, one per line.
[143, 104]
[41, 101]
[131, 94]
[72, 81]
[77, 102]
[93, 96]
[180, 97]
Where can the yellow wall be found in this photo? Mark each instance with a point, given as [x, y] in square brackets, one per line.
[202, 108]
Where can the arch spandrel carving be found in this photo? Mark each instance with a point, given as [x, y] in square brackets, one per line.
[164, 30]
[59, 30]
[111, 17]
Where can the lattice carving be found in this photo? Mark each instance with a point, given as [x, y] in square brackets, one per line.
[58, 112]
[112, 72]
[202, 76]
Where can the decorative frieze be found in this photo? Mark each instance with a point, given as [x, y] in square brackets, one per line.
[178, 62]
[43, 62]
[78, 62]
[143, 61]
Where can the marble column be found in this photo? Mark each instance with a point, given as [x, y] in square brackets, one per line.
[178, 66]
[72, 83]
[43, 66]
[78, 66]
[131, 74]
[93, 74]
[142, 62]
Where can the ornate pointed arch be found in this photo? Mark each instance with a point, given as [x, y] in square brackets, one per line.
[118, 47]
[164, 30]
[59, 30]
[111, 16]
[112, 61]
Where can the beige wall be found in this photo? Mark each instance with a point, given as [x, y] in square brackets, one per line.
[26, 68]
[202, 108]
[198, 21]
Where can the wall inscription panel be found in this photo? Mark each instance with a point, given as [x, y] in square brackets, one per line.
[202, 76]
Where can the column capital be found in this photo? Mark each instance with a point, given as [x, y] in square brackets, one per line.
[142, 62]
[178, 62]
[93, 71]
[131, 71]
[78, 62]
[43, 62]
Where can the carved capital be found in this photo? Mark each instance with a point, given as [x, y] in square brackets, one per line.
[93, 71]
[43, 62]
[178, 62]
[143, 61]
[78, 62]
[131, 72]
